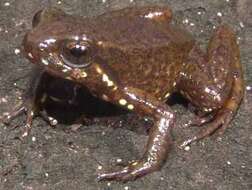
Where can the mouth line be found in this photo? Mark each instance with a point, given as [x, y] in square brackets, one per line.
[54, 66]
[56, 62]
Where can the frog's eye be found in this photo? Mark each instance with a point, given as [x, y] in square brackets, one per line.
[76, 54]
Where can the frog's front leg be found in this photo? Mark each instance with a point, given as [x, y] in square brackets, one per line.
[31, 101]
[217, 86]
[159, 141]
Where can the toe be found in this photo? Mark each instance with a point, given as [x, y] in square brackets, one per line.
[117, 175]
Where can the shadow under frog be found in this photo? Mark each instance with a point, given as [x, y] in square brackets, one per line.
[60, 100]
[136, 58]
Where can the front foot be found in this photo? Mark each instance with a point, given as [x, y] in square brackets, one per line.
[24, 107]
[31, 109]
[131, 172]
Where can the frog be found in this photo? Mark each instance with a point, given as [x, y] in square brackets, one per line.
[136, 58]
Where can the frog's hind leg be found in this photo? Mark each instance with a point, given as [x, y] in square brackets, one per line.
[224, 37]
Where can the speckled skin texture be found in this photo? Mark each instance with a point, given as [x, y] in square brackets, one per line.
[120, 45]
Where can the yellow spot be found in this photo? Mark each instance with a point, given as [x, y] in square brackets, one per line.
[134, 163]
[83, 74]
[59, 63]
[69, 78]
[64, 70]
[110, 83]
[115, 88]
[105, 78]
[123, 102]
[98, 69]
[100, 43]
[130, 107]
[167, 95]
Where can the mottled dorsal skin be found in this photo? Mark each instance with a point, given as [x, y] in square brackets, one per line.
[136, 58]
[150, 48]
[132, 43]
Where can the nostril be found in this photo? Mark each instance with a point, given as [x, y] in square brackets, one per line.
[36, 19]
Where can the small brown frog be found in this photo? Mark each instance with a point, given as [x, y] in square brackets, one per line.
[136, 58]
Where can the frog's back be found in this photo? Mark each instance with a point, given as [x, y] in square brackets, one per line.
[139, 28]
[145, 53]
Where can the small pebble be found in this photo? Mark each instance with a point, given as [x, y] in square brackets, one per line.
[238, 40]
[17, 51]
[126, 188]
[6, 4]
[118, 160]
[19, 23]
[248, 88]
[241, 24]
[103, 133]
[228, 162]
[25, 134]
[3, 100]
[219, 139]
[186, 21]
[219, 14]
[187, 148]
[99, 167]
[54, 122]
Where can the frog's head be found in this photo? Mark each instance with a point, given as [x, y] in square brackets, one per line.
[61, 44]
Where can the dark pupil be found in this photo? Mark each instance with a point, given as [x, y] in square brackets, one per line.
[78, 51]
[76, 54]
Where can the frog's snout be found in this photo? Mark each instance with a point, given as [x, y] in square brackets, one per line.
[36, 18]
[27, 47]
